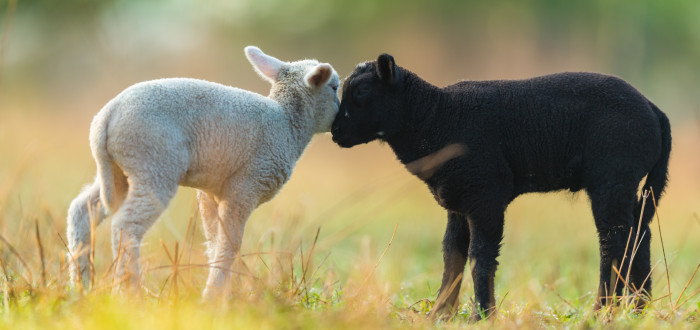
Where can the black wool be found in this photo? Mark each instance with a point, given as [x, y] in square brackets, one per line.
[480, 144]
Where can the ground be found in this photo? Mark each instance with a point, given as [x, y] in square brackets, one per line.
[352, 241]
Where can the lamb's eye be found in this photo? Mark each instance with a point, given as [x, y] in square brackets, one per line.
[360, 92]
[334, 87]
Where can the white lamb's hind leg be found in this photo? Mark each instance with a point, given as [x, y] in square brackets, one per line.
[137, 214]
[209, 210]
[234, 213]
[84, 212]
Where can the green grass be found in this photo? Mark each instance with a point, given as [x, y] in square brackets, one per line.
[347, 277]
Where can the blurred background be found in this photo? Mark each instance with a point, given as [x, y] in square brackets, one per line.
[61, 61]
[73, 55]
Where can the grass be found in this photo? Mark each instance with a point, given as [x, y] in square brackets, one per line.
[352, 241]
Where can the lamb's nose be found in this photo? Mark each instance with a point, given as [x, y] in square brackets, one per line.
[334, 129]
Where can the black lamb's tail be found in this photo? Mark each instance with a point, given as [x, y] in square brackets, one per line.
[658, 176]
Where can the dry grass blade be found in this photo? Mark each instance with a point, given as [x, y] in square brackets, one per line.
[624, 255]
[302, 281]
[8, 289]
[269, 270]
[175, 267]
[689, 297]
[686, 285]
[659, 298]
[184, 267]
[172, 262]
[72, 258]
[167, 253]
[629, 267]
[650, 272]
[501, 303]
[637, 239]
[365, 216]
[319, 265]
[305, 266]
[64, 243]
[261, 253]
[558, 295]
[162, 287]
[380, 259]
[110, 269]
[625, 282]
[191, 230]
[114, 284]
[440, 301]
[663, 249]
[21, 260]
[425, 300]
[41, 253]
[213, 263]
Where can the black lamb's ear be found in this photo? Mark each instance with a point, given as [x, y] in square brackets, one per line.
[386, 68]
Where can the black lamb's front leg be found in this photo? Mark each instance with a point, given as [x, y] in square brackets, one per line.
[486, 229]
[455, 249]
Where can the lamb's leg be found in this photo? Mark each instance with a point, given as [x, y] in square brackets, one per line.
[641, 267]
[613, 206]
[486, 231]
[145, 201]
[208, 208]
[640, 275]
[455, 249]
[233, 212]
[84, 210]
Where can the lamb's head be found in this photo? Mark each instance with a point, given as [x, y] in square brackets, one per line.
[370, 108]
[306, 84]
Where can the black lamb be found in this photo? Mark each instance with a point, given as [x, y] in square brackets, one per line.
[480, 144]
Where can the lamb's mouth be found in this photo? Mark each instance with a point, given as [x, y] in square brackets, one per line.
[341, 142]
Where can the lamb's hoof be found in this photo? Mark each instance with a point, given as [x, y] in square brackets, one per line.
[479, 314]
[441, 313]
[640, 304]
[475, 317]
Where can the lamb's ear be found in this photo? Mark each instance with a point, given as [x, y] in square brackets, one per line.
[265, 65]
[386, 68]
[318, 75]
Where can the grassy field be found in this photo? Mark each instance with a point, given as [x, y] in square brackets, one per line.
[352, 241]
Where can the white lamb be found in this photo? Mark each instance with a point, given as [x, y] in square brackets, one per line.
[236, 147]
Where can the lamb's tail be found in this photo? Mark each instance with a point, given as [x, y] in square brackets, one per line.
[658, 176]
[113, 184]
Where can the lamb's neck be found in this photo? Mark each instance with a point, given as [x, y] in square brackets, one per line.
[421, 107]
[299, 120]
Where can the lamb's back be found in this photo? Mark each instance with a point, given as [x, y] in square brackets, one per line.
[544, 125]
[217, 129]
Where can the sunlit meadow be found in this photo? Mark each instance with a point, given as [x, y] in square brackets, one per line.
[353, 240]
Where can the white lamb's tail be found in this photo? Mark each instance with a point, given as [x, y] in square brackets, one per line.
[94, 202]
[105, 166]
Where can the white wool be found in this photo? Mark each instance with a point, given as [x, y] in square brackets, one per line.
[236, 147]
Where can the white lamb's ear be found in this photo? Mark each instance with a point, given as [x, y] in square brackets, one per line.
[319, 75]
[265, 65]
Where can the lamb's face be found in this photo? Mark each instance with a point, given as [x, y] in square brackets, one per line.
[321, 82]
[368, 110]
[311, 84]
[328, 104]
